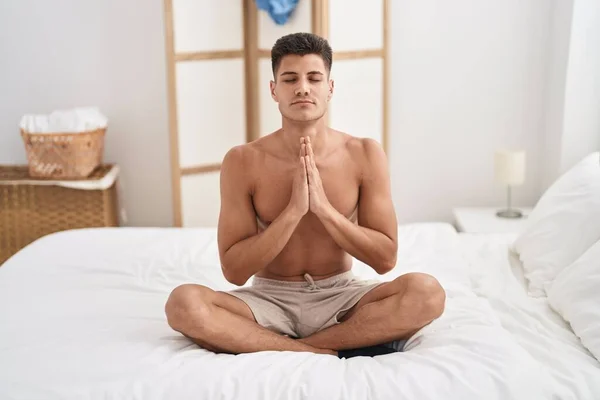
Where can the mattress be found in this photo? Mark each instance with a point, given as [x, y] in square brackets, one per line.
[82, 317]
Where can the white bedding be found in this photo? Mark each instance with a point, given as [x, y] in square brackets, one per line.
[574, 295]
[497, 276]
[82, 316]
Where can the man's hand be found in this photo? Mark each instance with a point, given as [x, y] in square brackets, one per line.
[319, 203]
[299, 201]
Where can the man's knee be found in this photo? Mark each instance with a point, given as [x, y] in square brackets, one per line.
[424, 294]
[186, 303]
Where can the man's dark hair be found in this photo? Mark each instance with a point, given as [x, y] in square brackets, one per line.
[300, 44]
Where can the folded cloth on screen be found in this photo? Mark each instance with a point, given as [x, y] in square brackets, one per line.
[73, 120]
[279, 10]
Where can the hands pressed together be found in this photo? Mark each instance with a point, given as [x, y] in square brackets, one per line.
[307, 190]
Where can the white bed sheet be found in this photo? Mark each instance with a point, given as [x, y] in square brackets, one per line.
[497, 275]
[82, 316]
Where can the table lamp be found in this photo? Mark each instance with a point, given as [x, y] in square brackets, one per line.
[510, 171]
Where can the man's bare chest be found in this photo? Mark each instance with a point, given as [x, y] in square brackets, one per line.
[273, 189]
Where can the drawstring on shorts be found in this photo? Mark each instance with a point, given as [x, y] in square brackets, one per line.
[311, 281]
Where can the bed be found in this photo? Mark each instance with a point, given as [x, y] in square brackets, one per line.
[82, 317]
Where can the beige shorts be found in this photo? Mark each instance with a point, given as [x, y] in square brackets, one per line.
[299, 309]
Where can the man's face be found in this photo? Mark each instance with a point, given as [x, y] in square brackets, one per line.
[302, 87]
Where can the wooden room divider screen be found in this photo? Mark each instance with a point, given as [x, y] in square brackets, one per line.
[218, 73]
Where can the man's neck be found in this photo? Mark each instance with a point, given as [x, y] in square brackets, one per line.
[315, 130]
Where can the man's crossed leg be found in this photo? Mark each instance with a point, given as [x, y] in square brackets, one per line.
[222, 323]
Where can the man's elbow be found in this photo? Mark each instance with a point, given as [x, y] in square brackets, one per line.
[385, 265]
[234, 278]
[388, 256]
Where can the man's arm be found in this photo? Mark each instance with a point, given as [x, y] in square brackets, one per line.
[374, 239]
[243, 252]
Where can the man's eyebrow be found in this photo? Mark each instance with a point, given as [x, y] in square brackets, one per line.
[295, 73]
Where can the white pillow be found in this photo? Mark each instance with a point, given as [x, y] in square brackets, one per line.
[564, 223]
[575, 294]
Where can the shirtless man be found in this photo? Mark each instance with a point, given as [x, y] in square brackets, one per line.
[296, 205]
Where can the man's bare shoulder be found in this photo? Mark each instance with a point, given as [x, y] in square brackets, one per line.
[236, 158]
[237, 165]
[244, 155]
[241, 160]
[363, 150]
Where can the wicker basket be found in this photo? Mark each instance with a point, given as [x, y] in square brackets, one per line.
[64, 155]
[30, 209]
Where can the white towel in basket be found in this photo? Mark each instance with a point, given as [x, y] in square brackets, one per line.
[74, 120]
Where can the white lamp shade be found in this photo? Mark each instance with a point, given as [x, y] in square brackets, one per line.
[510, 167]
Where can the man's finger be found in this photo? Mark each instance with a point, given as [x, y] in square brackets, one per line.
[309, 170]
[303, 171]
[312, 156]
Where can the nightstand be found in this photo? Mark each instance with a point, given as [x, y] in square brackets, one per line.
[31, 208]
[485, 220]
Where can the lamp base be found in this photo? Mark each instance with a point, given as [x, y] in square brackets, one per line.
[510, 213]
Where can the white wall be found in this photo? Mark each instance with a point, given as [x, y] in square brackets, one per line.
[108, 53]
[581, 130]
[467, 77]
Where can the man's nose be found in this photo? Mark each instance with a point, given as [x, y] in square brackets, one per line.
[303, 88]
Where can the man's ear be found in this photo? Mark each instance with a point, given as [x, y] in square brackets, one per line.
[272, 90]
[331, 85]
